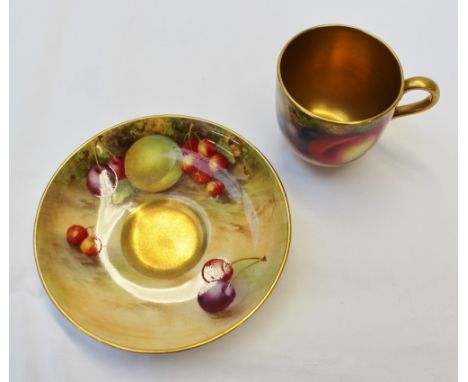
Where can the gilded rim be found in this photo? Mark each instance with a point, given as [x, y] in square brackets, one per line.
[197, 344]
[307, 112]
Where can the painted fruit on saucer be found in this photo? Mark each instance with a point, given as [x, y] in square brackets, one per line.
[162, 234]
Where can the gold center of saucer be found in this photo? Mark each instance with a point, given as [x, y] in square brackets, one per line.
[163, 238]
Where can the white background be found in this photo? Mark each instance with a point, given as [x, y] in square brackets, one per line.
[369, 291]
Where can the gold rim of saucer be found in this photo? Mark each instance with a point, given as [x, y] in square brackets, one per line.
[337, 122]
[199, 343]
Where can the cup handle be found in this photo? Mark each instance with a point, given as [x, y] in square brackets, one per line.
[418, 83]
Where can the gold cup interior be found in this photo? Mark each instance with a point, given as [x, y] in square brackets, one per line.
[341, 74]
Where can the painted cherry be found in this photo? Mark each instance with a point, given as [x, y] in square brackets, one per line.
[76, 234]
[91, 246]
[218, 162]
[101, 180]
[190, 145]
[201, 177]
[117, 164]
[216, 296]
[219, 292]
[217, 270]
[222, 270]
[189, 163]
[214, 188]
[207, 148]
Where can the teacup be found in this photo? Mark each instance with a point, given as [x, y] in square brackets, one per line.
[338, 87]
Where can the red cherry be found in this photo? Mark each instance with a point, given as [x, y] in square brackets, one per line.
[217, 269]
[214, 188]
[190, 145]
[218, 162]
[201, 177]
[189, 163]
[207, 148]
[91, 246]
[117, 164]
[76, 234]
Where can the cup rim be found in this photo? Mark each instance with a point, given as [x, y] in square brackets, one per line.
[310, 114]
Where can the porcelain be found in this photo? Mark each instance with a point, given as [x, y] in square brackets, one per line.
[337, 89]
[148, 243]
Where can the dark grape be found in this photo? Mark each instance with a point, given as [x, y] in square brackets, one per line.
[308, 133]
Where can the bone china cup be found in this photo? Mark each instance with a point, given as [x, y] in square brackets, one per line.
[337, 89]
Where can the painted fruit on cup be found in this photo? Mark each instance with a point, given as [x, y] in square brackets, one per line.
[340, 150]
[151, 163]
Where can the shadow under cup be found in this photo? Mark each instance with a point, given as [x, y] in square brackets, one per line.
[337, 88]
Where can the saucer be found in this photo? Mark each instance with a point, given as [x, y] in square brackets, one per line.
[162, 234]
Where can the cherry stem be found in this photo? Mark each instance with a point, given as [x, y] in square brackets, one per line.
[99, 140]
[257, 260]
[217, 133]
[95, 153]
[188, 135]
[249, 258]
